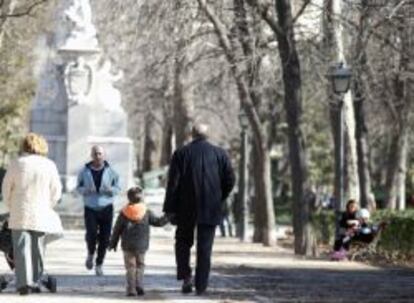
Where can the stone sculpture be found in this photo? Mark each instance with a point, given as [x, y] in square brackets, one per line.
[82, 32]
[78, 81]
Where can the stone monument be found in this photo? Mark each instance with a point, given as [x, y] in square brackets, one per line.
[76, 104]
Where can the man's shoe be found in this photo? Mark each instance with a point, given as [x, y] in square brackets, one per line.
[200, 292]
[130, 294]
[187, 287]
[89, 262]
[35, 290]
[140, 291]
[24, 291]
[98, 270]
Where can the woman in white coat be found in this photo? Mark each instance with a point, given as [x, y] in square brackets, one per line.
[31, 188]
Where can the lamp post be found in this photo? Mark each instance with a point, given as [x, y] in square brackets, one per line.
[340, 77]
[243, 179]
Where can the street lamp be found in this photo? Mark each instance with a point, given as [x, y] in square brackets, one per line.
[340, 78]
[242, 225]
[244, 120]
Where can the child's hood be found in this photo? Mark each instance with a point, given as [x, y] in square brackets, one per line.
[135, 212]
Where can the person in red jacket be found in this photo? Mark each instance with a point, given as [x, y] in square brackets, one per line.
[133, 227]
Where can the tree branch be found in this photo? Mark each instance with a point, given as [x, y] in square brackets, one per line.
[301, 10]
[264, 12]
[26, 12]
[219, 28]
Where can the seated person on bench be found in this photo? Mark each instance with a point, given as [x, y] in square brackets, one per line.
[366, 231]
[348, 226]
[363, 231]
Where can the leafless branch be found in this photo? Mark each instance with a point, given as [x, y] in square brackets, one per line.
[264, 11]
[301, 10]
[24, 12]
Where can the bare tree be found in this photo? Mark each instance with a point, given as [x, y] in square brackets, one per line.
[283, 28]
[264, 192]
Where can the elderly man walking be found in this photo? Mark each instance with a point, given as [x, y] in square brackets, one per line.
[200, 179]
[98, 183]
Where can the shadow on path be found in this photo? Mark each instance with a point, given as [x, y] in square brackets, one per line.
[322, 285]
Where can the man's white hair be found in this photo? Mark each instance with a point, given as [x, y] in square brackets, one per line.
[199, 130]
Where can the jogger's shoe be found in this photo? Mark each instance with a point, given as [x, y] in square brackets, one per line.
[89, 262]
[98, 270]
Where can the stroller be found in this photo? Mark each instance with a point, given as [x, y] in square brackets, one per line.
[6, 246]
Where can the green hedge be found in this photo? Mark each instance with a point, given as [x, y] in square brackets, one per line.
[397, 239]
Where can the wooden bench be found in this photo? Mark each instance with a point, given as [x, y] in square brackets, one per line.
[362, 250]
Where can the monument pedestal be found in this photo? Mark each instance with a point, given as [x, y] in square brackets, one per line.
[76, 105]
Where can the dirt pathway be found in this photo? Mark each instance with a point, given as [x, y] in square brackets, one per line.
[241, 273]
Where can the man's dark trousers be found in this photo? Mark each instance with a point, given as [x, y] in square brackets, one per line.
[98, 225]
[184, 240]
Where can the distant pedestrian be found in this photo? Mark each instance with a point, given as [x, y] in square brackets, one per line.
[98, 183]
[133, 227]
[200, 179]
[226, 222]
[31, 188]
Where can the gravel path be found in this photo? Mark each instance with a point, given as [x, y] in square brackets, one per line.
[241, 273]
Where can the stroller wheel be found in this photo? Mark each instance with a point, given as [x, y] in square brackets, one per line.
[3, 283]
[51, 284]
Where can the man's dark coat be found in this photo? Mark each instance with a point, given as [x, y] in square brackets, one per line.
[200, 178]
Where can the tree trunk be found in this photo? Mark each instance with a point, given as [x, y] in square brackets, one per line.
[256, 125]
[258, 220]
[150, 144]
[395, 156]
[264, 212]
[334, 52]
[396, 172]
[402, 174]
[361, 130]
[264, 219]
[293, 107]
[363, 152]
[166, 143]
[330, 46]
[6, 7]
[166, 149]
[352, 180]
[182, 96]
